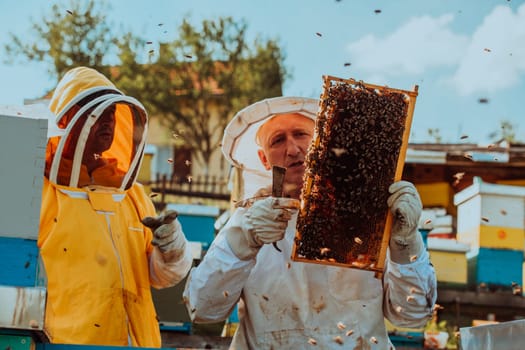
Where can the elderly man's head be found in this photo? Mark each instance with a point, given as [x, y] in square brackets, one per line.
[284, 141]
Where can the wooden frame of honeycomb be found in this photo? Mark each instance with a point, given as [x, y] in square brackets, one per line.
[357, 152]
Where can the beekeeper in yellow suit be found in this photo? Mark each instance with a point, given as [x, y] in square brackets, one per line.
[102, 245]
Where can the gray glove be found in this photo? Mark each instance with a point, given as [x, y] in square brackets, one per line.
[167, 235]
[406, 243]
[264, 222]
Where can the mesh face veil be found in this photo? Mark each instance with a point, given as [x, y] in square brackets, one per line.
[103, 139]
[239, 140]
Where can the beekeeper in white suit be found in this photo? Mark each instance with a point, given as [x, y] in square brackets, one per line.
[294, 305]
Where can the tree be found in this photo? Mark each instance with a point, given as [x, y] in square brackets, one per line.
[198, 81]
[506, 133]
[435, 134]
[194, 84]
[76, 35]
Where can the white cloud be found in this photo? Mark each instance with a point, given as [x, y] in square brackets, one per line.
[481, 71]
[491, 59]
[419, 44]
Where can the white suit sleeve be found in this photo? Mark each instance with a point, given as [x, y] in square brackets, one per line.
[214, 287]
[166, 274]
[410, 292]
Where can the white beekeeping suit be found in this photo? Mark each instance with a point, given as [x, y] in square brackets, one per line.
[294, 305]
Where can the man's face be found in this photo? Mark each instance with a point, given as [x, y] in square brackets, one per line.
[101, 133]
[284, 140]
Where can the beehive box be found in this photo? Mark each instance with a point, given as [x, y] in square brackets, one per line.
[357, 152]
[23, 137]
[491, 215]
[499, 267]
[453, 261]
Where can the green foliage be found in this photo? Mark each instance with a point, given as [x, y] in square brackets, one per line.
[506, 133]
[195, 83]
[198, 81]
[434, 326]
[435, 134]
[74, 35]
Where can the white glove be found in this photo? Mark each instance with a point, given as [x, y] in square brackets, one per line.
[406, 243]
[167, 235]
[264, 222]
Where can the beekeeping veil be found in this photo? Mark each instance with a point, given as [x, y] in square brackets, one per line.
[239, 145]
[80, 99]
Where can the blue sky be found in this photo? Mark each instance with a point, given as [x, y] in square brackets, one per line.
[457, 52]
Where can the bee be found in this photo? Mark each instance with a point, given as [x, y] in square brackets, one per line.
[312, 341]
[459, 175]
[410, 298]
[341, 325]
[373, 340]
[225, 293]
[170, 160]
[358, 240]
[338, 340]
[338, 151]
[349, 332]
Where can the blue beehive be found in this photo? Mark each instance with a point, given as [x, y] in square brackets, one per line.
[197, 222]
[499, 267]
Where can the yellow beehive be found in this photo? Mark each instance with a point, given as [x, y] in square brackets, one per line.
[491, 215]
[452, 260]
[436, 194]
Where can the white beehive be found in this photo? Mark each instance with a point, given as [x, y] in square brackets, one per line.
[491, 216]
[23, 137]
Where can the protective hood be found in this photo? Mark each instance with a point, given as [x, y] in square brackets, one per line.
[104, 133]
[239, 145]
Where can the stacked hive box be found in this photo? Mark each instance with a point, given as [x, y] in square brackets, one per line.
[454, 262]
[23, 135]
[491, 220]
